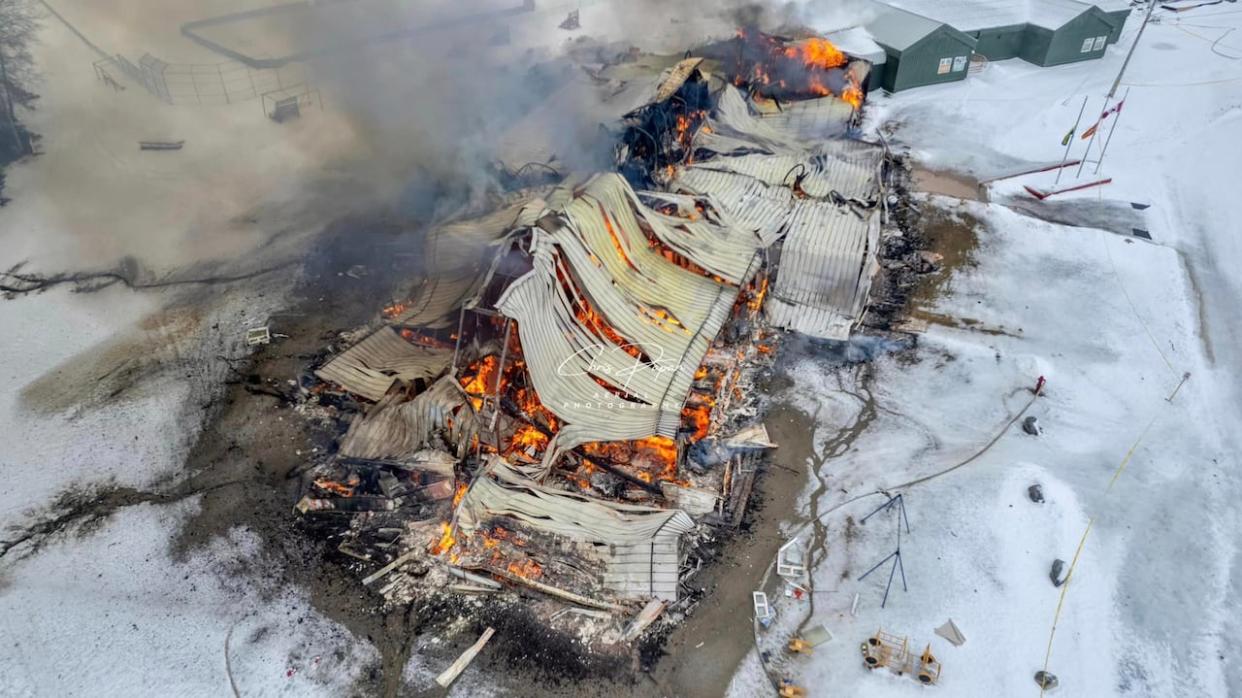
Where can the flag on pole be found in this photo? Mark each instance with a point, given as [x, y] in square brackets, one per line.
[1107, 112]
[1069, 135]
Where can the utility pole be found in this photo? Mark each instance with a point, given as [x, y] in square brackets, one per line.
[1151, 6]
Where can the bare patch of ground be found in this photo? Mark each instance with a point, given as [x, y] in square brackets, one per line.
[946, 183]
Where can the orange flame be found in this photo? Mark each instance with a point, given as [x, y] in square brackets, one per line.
[338, 488]
[820, 53]
[446, 542]
[642, 455]
[479, 379]
[394, 309]
[698, 416]
[760, 291]
[853, 94]
[526, 569]
[422, 340]
[527, 437]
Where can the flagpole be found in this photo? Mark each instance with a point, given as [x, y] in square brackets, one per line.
[1069, 141]
[1151, 5]
[1095, 130]
[1117, 117]
[1112, 92]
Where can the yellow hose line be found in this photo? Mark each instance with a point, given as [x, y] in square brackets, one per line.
[1056, 617]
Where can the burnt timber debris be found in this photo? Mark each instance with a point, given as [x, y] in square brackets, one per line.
[565, 406]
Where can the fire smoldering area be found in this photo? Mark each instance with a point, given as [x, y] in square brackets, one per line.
[563, 404]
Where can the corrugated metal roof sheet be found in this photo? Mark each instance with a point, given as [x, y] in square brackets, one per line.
[827, 261]
[371, 366]
[396, 430]
[641, 558]
[434, 300]
[505, 491]
[853, 177]
[462, 245]
[756, 189]
[600, 254]
[735, 127]
[758, 207]
[811, 119]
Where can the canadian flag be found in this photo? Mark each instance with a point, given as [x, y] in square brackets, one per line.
[1115, 109]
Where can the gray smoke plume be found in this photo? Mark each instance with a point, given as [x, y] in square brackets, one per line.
[433, 108]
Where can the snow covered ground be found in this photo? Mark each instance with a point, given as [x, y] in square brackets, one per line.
[1112, 322]
[111, 614]
[107, 390]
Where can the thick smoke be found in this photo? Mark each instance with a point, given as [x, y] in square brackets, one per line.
[434, 110]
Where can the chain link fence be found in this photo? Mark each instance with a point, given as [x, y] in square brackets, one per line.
[227, 82]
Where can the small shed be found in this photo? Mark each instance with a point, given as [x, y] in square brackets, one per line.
[1081, 37]
[920, 51]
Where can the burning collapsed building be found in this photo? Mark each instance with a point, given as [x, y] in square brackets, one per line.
[563, 400]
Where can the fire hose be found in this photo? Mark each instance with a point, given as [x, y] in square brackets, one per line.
[882, 491]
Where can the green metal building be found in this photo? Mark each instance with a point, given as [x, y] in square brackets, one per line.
[923, 39]
[918, 50]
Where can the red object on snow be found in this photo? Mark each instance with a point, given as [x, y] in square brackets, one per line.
[1041, 195]
[1039, 385]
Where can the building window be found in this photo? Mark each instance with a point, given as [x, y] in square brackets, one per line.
[1087, 43]
[1099, 43]
[946, 64]
[959, 64]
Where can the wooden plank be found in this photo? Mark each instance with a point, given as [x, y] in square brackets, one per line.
[459, 665]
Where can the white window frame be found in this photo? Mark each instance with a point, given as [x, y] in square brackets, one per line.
[1099, 43]
[959, 64]
[946, 65]
[1087, 44]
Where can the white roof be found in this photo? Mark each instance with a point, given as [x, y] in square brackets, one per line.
[855, 41]
[899, 29]
[972, 15]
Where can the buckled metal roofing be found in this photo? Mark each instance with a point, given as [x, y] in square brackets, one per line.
[827, 261]
[597, 255]
[396, 430]
[370, 367]
[638, 544]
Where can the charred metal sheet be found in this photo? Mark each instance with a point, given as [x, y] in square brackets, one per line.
[370, 367]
